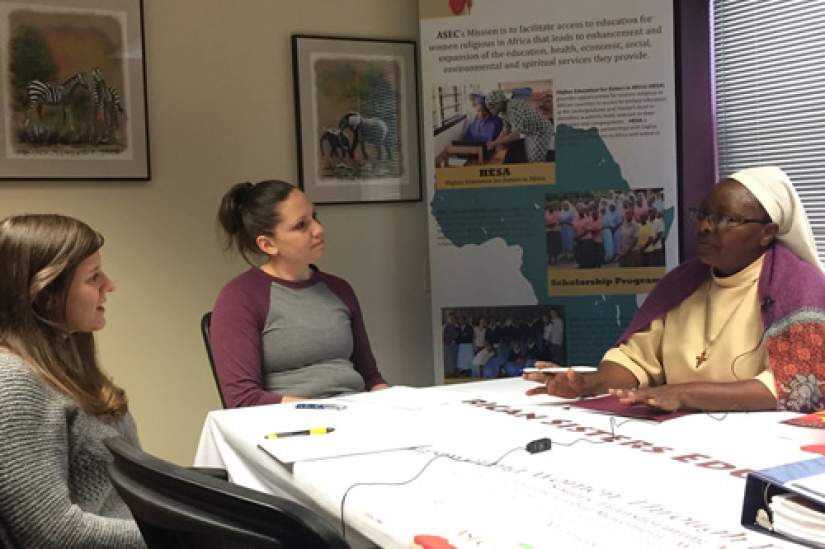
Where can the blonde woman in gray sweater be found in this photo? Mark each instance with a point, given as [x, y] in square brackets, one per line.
[56, 405]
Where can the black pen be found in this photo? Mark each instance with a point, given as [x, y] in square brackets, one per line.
[315, 431]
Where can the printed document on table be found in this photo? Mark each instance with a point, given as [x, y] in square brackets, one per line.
[401, 397]
[354, 432]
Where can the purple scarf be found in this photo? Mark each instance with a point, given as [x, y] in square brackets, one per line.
[792, 300]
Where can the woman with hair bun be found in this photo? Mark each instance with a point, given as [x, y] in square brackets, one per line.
[284, 330]
[56, 405]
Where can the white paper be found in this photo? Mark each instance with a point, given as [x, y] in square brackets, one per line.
[793, 516]
[400, 397]
[813, 487]
[355, 432]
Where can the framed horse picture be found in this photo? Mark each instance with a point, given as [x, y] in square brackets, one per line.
[357, 120]
[72, 90]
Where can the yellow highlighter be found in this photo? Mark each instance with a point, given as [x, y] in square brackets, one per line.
[315, 431]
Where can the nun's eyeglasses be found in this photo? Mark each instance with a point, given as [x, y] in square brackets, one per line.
[721, 222]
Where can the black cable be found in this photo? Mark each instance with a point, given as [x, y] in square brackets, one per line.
[767, 302]
[615, 425]
[590, 440]
[419, 473]
[740, 355]
[736, 377]
[536, 446]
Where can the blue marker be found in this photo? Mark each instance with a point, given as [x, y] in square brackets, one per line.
[314, 406]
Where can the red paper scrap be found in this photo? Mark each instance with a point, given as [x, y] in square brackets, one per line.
[814, 448]
[814, 421]
[432, 542]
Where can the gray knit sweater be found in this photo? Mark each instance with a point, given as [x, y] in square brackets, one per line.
[54, 488]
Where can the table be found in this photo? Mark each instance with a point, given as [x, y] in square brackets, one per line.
[606, 480]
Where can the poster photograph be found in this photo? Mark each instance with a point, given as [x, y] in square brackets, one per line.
[491, 342]
[357, 118]
[501, 134]
[616, 222]
[609, 241]
[73, 90]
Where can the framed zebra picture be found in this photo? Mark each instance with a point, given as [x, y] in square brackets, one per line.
[356, 105]
[72, 90]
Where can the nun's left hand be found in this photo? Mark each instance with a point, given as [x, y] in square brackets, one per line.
[664, 397]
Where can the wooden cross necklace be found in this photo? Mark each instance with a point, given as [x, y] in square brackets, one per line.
[707, 340]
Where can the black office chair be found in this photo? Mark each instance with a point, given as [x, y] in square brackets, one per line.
[179, 508]
[206, 321]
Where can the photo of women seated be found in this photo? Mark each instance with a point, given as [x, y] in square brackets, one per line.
[490, 342]
[740, 327]
[510, 124]
[483, 128]
[615, 228]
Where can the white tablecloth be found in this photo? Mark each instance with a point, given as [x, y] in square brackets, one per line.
[605, 481]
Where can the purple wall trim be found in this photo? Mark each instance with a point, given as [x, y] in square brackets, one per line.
[695, 118]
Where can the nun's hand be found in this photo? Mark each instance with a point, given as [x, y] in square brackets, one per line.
[664, 397]
[569, 384]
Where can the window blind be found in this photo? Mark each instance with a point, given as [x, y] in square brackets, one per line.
[770, 93]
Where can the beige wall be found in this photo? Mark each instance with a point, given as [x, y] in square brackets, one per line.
[221, 110]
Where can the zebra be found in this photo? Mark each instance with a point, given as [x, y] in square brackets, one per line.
[108, 107]
[40, 93]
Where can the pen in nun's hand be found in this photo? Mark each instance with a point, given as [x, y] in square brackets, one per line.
[316, 431]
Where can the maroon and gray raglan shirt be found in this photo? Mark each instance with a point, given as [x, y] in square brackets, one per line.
[272, 337]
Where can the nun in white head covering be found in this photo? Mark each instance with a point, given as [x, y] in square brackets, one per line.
[773, 189]
[740, 327]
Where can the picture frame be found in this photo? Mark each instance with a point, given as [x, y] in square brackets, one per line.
[357, 121]
[73, 90]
